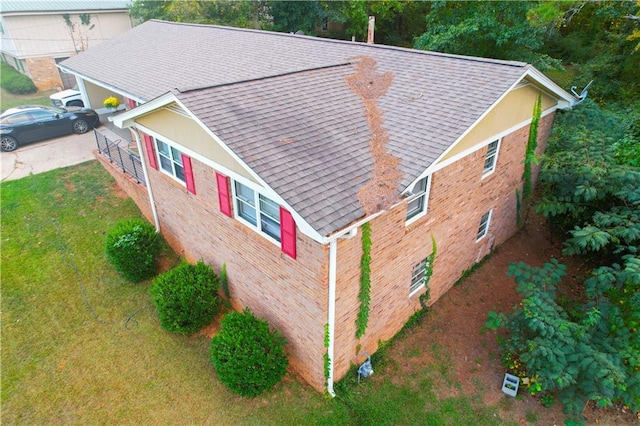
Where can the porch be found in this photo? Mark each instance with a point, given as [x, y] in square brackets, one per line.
[118, 146]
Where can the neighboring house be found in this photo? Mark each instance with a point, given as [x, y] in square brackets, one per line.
[38, 34]
[269, 152]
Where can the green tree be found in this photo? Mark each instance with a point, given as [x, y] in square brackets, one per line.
[592, 355]
[243, 14]
[588, 190]
[598, 42]
[494, 29]
[292, 16]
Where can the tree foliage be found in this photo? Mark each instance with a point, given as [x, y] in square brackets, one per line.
[596, 42]
[592, 354]
[243, 14]
[589, 190]
[494, 29]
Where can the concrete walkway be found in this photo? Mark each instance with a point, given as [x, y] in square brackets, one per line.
[47, 155]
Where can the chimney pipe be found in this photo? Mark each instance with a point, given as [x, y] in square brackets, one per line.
[372, 24]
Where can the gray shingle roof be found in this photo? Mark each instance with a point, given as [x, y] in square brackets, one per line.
[281, 103]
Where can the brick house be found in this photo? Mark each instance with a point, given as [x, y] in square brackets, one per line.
[269, 152]
[36, 34]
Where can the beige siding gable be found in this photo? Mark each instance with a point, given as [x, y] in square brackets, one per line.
[174, 124]
[515, 109]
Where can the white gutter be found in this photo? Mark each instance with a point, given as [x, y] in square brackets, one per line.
[331, 314]
[154, 212]
[331, 308]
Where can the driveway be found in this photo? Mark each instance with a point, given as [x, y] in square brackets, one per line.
[47, 155]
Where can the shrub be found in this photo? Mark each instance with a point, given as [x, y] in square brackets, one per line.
[186, 297]
[132, 247]
[14, 82]
[248, 357]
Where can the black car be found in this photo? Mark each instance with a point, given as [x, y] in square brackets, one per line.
[30, 123]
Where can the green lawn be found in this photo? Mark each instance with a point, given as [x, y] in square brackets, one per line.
[8, 100]
[82, 346]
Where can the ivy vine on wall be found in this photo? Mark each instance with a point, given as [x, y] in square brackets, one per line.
[530, 155]
[327, 361]
[365, 282]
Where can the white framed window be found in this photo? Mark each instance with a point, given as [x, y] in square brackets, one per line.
[419, 199]
[257, 210]
[418, 276]
[483, 229]
[170, 160]
[491, 158]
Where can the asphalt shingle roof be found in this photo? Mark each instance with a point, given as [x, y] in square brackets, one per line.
[281, 103]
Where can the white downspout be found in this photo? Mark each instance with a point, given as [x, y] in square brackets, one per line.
[331, 317]
[154, 212]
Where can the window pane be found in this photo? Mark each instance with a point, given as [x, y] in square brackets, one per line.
[179, 172]
[488, 163]
[418, 275]
[421, 186]
[177, 156]
[247, 212]
[490, 158]
[163, 148]
[245, 194]
[269, 208]
[270, 227]
[166, 164]
[415, 206]
[493, 147]
[484, 224]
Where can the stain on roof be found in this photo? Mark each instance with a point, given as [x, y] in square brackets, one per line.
[281, 102]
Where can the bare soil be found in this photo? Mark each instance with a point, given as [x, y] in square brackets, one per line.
[454, 327]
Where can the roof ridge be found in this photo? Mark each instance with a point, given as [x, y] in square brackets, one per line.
[197, 88]
[352, 43]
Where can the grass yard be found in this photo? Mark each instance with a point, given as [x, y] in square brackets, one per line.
[82, 346]
[9, 100]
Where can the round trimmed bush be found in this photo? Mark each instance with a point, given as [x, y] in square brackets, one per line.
[14, 82]
[186, 297]
[133, 247]
[248, 357]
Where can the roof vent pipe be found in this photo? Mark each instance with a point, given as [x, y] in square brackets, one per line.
[372, 24]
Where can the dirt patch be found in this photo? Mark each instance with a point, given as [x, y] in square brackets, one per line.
[211, 329]
[382, 190]
[451, 333]
[70, 186]
[118, 191]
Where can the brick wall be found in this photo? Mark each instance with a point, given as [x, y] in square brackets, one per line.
[43, 72]
[128, 184]
[290, 294]
[458, 198]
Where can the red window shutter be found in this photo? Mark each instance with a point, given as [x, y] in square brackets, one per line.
[131, 103]
[287, 233]
[188, 174]
[223, 194]
[151, 153]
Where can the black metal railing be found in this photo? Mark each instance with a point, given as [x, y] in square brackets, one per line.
[128, 161]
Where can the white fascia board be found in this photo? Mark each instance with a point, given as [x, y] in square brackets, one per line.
[566, 100]
[127, 119]
[101, 84]
[465, 133]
